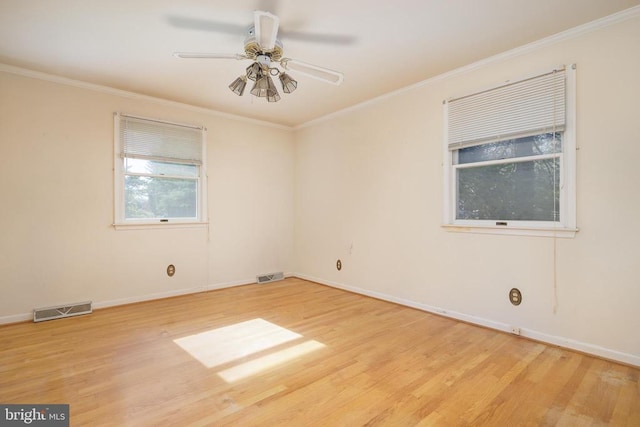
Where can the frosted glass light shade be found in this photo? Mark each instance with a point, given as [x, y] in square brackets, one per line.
[288, 84]
[261, 87]
[238, 85]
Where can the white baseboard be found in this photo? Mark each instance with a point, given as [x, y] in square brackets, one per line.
[111, 303]
[231, 284]
[606, 353]
[251, 281]
[148, 297]
[15, 318]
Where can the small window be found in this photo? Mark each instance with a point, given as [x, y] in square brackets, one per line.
[510, 158]
[159, 172]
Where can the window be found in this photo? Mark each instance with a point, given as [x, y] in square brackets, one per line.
[159, 172]
[510, 158]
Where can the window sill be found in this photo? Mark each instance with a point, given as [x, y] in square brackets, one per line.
[567, 233]
[159, 225]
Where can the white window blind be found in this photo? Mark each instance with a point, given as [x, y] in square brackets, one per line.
[527, 107]
[153, 140]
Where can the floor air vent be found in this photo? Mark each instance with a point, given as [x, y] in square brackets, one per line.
[267, 278]
[58, 312]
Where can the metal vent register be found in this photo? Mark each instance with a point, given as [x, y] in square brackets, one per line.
[266, 278]
[58, 312]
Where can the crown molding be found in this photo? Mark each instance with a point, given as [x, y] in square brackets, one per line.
[23, 72]
[569, 34]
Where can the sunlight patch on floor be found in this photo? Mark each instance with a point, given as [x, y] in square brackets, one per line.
[271, 360]
[223, 345]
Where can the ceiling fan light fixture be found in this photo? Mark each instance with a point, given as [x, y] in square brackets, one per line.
[272, 92]
[261, 87]
[288, 84]
[238, 85]
[263, 48]
[273, 96]
[254, 71]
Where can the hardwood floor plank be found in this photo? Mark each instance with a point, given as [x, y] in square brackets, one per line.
[300, 353]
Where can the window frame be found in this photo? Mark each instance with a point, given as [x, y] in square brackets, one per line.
[120, 174]
[566, 226]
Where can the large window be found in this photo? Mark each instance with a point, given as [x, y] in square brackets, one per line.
[159, 172]
[510, 158]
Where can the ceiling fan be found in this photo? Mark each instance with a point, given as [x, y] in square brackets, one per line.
[263, 47]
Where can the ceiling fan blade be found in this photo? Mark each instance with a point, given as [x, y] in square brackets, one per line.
[313, 71]
[266, 29]
[199, 24]
[336, 39]
[206, 25]
[270, 5]
[209, 55]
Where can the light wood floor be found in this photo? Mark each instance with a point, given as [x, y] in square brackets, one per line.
[301, 354]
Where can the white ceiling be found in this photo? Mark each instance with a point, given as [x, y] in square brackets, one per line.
[380, 46]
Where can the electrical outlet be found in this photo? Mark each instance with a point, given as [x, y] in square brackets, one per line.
[515, 296]
[515, 330]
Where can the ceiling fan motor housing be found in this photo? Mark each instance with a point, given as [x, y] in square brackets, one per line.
[252, 49]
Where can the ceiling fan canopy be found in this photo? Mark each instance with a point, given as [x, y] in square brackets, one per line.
[262, 46]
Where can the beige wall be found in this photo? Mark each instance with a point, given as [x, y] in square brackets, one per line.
[369, 191]
[57, 244]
